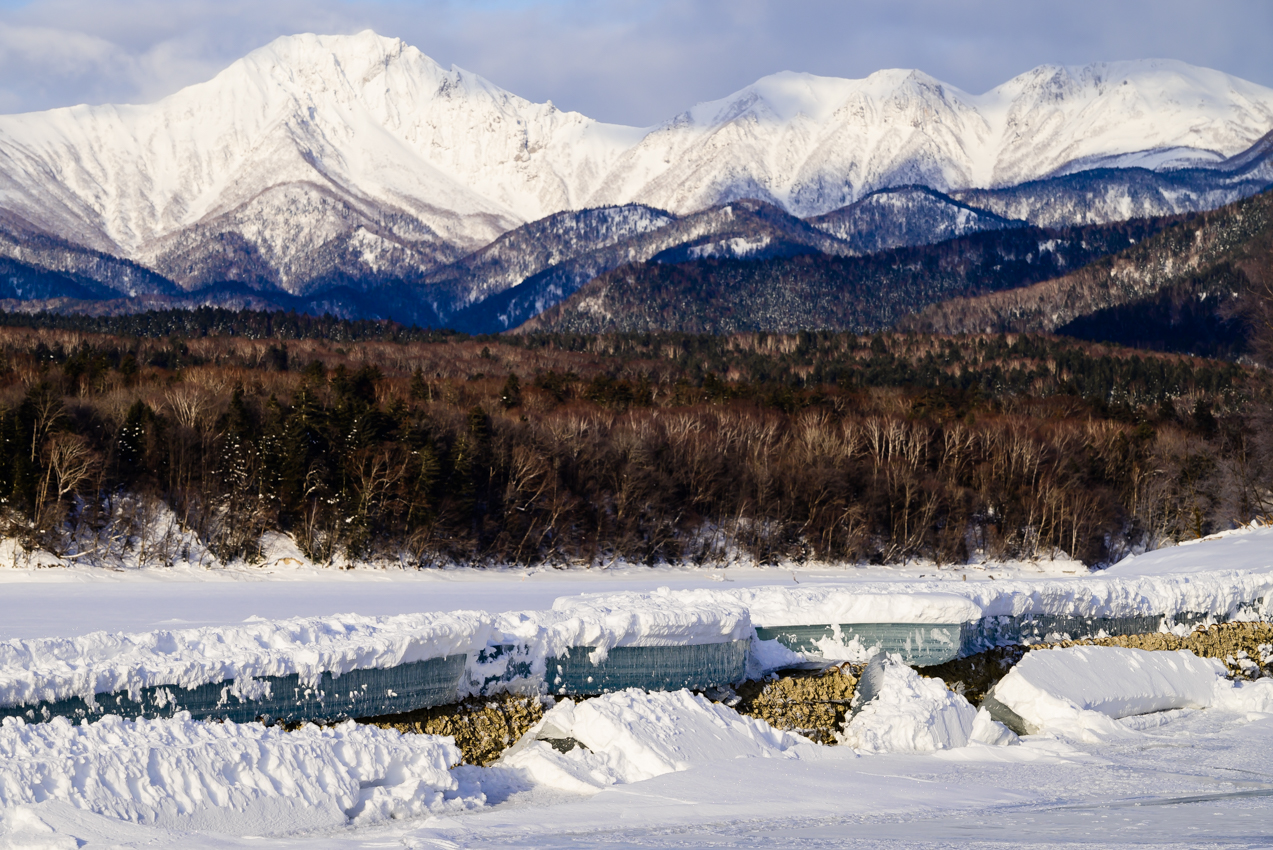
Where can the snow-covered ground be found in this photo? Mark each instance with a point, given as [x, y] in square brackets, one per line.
[64, 599]
[920, 766]
[1191, 778]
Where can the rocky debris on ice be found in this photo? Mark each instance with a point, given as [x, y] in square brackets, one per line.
[237, 777]
[632, 735]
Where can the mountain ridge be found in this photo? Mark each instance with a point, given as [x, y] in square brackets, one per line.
[361, 159]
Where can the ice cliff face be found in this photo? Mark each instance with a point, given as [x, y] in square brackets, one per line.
[338, 157]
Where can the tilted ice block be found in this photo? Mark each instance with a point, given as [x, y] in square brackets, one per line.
[1080, 691]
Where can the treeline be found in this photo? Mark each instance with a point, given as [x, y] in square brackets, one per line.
[217, 321]
[556, 449]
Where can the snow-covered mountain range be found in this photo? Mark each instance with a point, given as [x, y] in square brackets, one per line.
[324, 161]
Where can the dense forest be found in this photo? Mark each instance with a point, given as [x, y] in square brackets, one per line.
[1199, 282]
[431, 448]
[820, 291]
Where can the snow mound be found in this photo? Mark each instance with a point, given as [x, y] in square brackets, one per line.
[657, 618]
[632, 735]
[1245, 697]
[829, 604]
[1079, 692]
[227, 776]
[987, 730]
[909, 714]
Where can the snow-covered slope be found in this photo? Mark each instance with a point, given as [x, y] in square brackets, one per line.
[359, 160]
[813, 144]
[906, 216]
[354, 127]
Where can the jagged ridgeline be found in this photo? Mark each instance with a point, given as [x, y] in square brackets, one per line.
[189, 435]
[384, 186]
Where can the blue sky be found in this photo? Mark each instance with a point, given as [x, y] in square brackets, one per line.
[618, 60]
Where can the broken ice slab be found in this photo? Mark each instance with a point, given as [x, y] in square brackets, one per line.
[919, 644]
[357, 693]
[926, 644]
[1050, 628]
[650, 668]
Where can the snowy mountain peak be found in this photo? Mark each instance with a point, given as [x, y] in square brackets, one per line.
[362, 149]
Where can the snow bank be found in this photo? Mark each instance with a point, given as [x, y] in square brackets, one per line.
[1220, 576]
[1244, 697]
[908, 713]
[831, 605]
[1081, 691]
[633, 735]
[660, 618]
[57, 668]
[226, 776]
[505, 648]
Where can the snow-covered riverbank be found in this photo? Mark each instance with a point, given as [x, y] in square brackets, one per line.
[1190, 775]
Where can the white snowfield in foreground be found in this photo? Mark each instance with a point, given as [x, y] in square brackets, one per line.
[226, 776]
[1081, 692]
[658, 762]
[197, 784]
[633, 735]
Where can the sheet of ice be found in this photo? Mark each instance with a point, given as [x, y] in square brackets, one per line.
[238, 778]
[660, 618]
[1080, 691]
[910, 714]
[603, 622]
[632, 735]
[57, 668]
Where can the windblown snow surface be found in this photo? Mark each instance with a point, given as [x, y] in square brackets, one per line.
[1166, 751]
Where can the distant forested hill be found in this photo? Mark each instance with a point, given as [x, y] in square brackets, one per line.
[815, 291]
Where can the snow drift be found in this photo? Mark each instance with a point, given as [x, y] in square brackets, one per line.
[906, 713]
[632, 735]
[227, 776]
